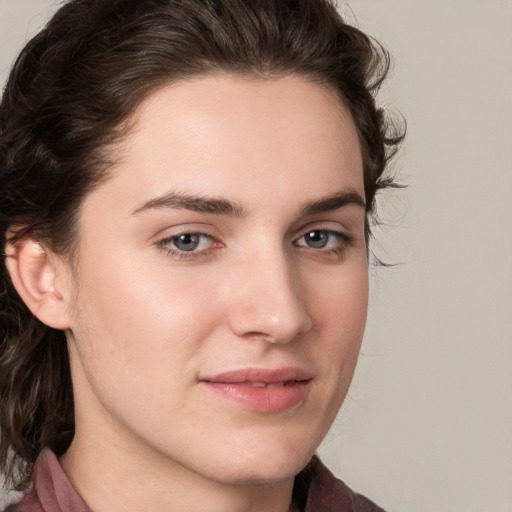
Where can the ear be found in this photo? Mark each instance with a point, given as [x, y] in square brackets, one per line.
[36, 274]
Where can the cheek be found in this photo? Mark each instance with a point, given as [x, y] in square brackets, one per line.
[135, 322]
[340, 310]
[339, 302]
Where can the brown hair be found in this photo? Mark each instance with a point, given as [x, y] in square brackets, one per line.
[67, 95]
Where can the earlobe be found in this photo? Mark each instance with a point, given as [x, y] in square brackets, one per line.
[34, 271]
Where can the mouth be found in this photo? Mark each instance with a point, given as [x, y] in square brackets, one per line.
[261, 390]
[269, 384]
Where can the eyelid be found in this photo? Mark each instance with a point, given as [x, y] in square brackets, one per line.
[168, 230]
[328, 225]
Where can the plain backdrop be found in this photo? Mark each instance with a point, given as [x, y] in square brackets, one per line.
[428, 423]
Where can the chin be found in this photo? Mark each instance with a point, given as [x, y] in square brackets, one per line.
[265, 466]
[262, 475]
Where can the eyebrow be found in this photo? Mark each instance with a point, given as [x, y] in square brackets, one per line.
[327, 204]
[219, 206]
[182, 201]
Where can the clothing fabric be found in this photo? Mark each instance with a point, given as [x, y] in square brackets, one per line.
[316, 490]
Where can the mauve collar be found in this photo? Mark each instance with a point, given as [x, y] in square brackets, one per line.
[325, 492]
[53, 488]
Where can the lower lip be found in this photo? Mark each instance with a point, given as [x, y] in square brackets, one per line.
[262, 399]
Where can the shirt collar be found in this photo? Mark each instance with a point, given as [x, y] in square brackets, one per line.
[53, 488]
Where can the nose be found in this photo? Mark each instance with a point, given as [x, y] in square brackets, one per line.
[267, 300]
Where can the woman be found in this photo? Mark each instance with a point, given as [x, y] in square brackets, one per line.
[186, 195]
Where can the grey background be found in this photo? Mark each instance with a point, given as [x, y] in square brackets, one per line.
[428, 423]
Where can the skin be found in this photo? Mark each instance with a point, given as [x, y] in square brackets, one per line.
[145, 322]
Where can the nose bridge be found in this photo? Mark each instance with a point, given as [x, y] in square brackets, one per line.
[268, 300]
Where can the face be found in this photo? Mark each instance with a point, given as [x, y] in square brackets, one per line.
[220, 280]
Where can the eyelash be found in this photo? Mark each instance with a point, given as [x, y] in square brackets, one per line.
[344, 241]
[165, 246]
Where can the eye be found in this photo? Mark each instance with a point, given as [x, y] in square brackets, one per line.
[186, 243]
[323, 239]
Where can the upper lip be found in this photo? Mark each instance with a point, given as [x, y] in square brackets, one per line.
[260, 375]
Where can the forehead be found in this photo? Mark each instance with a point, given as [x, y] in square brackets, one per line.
[226, 135]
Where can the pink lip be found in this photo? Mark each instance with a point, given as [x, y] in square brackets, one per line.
[261, 389]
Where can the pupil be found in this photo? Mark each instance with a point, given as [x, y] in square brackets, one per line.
[187, 242]
[317, 239]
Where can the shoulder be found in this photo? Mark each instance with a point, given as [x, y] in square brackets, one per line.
[28, 503]
[326, 493]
